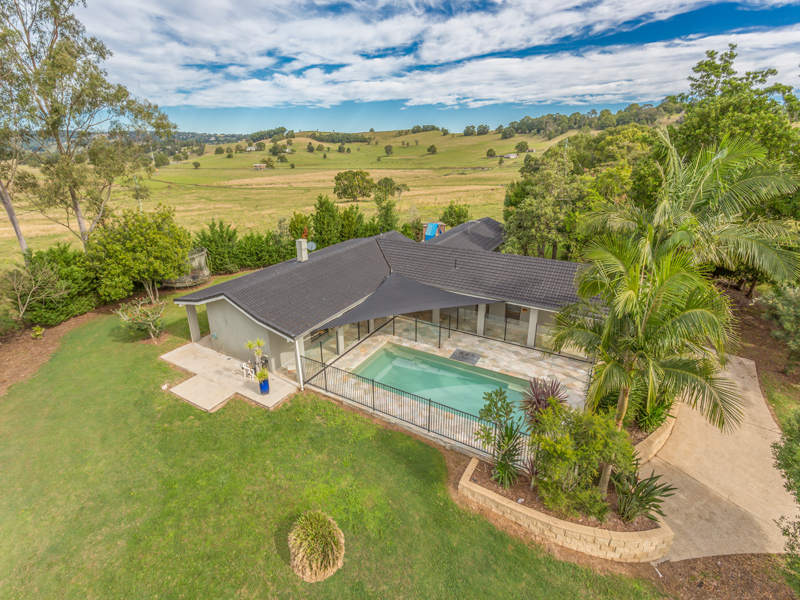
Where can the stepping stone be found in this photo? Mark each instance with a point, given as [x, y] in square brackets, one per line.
[470, 358]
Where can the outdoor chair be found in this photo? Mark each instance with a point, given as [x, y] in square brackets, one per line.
[247, 371]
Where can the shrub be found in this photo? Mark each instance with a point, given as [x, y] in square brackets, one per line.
[503, 434]
[491, 153]
[251, 251]
[142, 316]
[650, 419]
[782, 306]
[31, 283]
[316, 546]
[540, 393]
[569, 447]
[787, 459]
[37, 332]
[219, 240]
[455, 214]
[8, 322]
[637, 497]
[138, 247]
[79, 282]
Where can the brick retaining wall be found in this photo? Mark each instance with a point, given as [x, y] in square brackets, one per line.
[638, 546]
[650, 446]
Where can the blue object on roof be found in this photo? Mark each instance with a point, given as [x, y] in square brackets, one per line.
[430, 233]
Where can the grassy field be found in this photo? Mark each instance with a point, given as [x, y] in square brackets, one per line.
[231, 189]
[112, 488]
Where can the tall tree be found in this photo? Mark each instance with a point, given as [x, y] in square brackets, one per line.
[704, 206]
[60, 98]
[649, 324]
[326, 222]
[353, 185]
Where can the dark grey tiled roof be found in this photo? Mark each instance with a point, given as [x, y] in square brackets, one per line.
[293, 297]
[538, 282]
[483, 234]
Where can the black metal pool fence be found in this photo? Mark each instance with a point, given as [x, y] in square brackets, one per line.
[439, 419]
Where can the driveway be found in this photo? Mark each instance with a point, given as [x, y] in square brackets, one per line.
[729, 494]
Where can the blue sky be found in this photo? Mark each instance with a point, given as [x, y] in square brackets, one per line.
[224, 66]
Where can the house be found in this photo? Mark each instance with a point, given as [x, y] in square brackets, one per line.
[455, 280]
[259, 166]
[482, 234]
[512, 155]
[250, 149]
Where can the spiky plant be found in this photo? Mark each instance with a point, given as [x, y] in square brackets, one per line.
[538, 395]
[316, 546]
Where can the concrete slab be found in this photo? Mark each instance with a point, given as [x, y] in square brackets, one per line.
[225, 372]
[729, 493]
[203, 393]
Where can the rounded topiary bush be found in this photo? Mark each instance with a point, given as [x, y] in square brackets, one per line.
[316, 546]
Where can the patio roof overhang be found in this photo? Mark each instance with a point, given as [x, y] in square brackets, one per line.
[398, 295]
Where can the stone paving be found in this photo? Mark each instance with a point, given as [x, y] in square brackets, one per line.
[497, 356]
[219, 377]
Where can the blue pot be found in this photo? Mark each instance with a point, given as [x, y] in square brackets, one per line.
[264, 386]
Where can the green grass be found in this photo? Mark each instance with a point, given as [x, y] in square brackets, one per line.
[112, 488]
[783, 397]
[232, 190]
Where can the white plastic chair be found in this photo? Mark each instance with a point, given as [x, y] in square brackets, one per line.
[247, 372]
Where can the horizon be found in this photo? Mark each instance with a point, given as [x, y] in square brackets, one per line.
[228, 68]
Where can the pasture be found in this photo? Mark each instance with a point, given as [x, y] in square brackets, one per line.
[230, 188]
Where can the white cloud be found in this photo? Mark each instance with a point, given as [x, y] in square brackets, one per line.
[295, 53]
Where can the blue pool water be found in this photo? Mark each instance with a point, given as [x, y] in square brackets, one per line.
[442, 380]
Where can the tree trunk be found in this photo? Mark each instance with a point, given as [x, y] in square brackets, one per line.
[12, 216]
[622, 408]
[752, 288]
[555, 250]
[76, 207]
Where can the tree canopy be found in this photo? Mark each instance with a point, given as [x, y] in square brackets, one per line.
[353, 185]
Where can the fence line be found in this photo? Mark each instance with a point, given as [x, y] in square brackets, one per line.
[433, 417]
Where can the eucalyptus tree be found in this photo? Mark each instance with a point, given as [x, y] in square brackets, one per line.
[708, 206]
[62, 114]
[656, 324]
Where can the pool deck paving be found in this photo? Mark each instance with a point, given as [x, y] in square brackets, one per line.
[517, 361]
[729, 494]
[219, 377]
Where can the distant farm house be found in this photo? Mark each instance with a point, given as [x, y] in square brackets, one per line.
[250, 149]
[510, 155]
[259, 167]
[531, 150]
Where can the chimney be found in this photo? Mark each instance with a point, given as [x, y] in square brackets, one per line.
[302, 250]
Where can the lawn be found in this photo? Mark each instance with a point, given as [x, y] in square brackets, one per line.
[230, 189]
[112, 488]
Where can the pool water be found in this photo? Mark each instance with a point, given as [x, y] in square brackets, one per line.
[442, 380]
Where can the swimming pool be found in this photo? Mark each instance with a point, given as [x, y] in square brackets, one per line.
[442, 380]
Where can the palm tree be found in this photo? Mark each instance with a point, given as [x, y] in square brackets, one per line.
[706, 206]
[649, 324]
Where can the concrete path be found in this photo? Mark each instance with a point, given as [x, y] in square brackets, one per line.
[729, 494]
[219, 377]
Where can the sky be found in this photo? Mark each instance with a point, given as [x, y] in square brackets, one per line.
[221, 66]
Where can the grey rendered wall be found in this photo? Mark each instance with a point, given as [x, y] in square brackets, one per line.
[233, 329]
[281, 351]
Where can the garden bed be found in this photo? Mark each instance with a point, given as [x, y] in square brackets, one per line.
[623, 546]
[482, 475]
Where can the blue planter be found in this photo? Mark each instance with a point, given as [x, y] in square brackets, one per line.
[264, 386]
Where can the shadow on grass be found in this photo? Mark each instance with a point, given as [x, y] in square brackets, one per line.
[282, 535]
